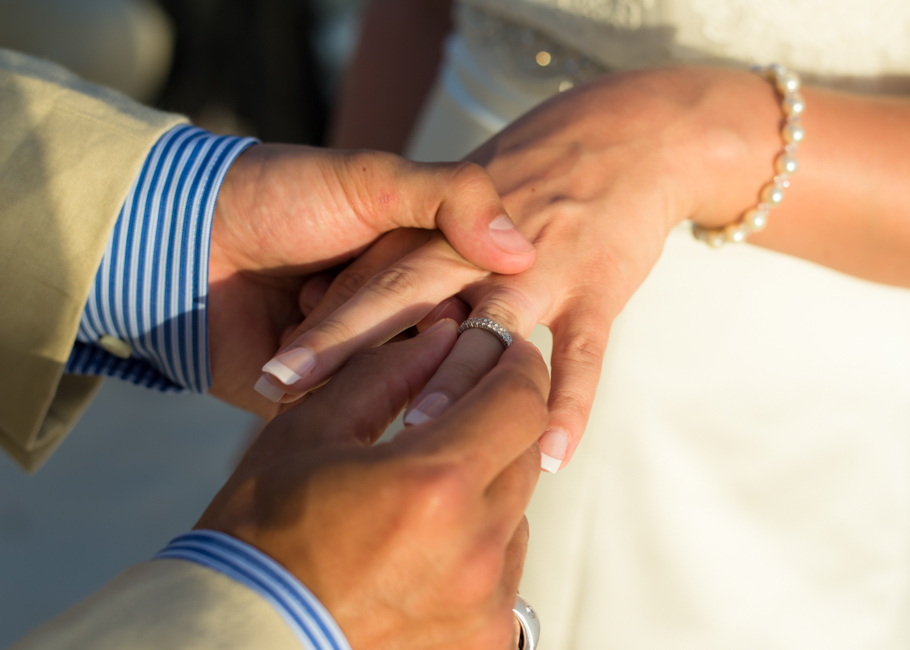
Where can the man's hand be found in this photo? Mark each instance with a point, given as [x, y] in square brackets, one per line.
[284, 212]
[417, 543]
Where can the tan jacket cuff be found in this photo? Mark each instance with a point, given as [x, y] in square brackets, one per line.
[167, 604]
[69, 152]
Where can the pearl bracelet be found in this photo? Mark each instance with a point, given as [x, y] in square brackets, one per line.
[787, 84]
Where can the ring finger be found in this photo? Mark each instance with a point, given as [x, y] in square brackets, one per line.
[475, 353]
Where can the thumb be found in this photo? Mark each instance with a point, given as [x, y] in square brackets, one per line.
[460, 199]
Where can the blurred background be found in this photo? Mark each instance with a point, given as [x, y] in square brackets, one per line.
[140, 466]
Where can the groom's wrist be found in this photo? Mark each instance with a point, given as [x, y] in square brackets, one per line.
[146, 317]
[308, 619]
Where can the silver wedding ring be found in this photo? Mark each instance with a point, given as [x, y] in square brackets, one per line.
[490, 326]
[529, 623]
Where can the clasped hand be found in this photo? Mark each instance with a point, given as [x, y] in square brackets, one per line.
[416, 543]
[596, 178]
[285, 212]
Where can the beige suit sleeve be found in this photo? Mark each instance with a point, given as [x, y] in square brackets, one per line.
[69, 152]
[167, 604]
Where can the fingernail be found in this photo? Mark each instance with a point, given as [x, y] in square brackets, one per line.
[553, 445]
[438, 325]
[268, 390]
[505, 235]
[434, 315]
[290, 366]
[427, 408]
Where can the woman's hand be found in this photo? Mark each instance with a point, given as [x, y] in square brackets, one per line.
[596, 178]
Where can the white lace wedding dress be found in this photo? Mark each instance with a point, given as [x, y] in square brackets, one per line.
[744, 482]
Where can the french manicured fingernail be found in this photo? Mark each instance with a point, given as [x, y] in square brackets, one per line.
[438, 325]
[434, 315]
[291, 365]
[427, 408]
[268, 390]
[505, 235]
[553, 445]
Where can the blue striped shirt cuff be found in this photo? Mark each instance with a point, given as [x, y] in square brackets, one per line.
[151, 289]
[310, 621]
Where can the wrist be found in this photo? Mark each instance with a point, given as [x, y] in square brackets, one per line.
[235, 241]
[705, 138]
[304, 614]
[740, 142]
[149, 293]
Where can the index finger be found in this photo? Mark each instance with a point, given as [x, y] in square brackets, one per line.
[580, 337]
[385, 305]
[495, 422]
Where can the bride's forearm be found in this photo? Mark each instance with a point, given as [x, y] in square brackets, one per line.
[849, 204]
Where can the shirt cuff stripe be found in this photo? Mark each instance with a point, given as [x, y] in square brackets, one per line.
[309, 620]
[151, 289]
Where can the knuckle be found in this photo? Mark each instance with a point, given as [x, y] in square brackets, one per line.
[438, 490]
[350, 281]
[461, 373]
[336, 330]
[467, 173]
[573, 403]
[398, 283]
[504, 305]
[581, 349]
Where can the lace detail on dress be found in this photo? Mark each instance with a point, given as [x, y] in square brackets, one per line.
[821, 36]
[837, 42]
[628, 14]
[525, 53]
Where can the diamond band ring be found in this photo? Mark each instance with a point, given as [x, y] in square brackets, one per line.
[490, 326]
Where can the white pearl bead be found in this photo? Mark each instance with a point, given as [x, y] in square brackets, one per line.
[788, 82]
[776, 69]
[772, 193]
[716, 238]
[735, 233]
[793, 132]
[755, 220]
[793, 105]
[786, 164]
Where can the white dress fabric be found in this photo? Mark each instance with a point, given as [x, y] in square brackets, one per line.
[744, 482]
